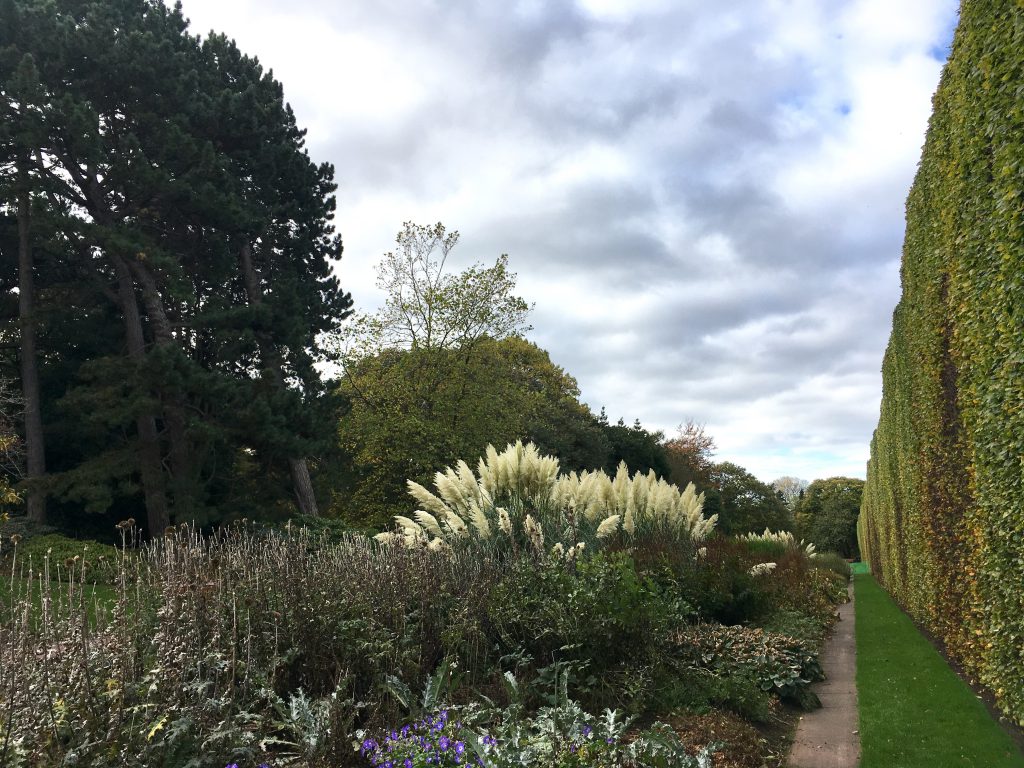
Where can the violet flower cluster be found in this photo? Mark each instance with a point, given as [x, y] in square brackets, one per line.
[433, 741]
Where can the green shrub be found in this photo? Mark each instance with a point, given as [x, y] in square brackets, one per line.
[718, 582]
[599, 613]
[779, 664]
[56, 554]
[701, 691]
[833, 562]
[562, 735]
[810, 630]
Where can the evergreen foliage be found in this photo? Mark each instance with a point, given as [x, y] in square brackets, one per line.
[942, 522]
[826, 513]
[183, 260]
[640, 449]
[743, 503]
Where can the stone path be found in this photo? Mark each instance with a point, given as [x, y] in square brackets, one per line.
[828, 737]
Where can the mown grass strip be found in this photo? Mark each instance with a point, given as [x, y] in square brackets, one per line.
[96, 596]
[914, 710]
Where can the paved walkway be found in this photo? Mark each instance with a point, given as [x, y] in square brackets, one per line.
[828, 737]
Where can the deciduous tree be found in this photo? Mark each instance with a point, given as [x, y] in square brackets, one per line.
[743, 503]
[827, 514]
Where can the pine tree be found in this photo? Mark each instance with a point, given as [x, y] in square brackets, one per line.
[183, 197]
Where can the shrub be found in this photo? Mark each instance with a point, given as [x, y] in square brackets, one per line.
[215, 646]
[254, 645]
[562, 735]
[810, 630]
[55, 555]
[774, 544]
[941, 522]
[781, 665]
[740, 744]
[797, 585]
[599, 614]
[833, 562]
[718, 582]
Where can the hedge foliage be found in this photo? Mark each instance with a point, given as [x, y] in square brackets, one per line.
[942, 521]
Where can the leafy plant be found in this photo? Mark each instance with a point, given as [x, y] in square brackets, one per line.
[562, 735]
[781, 665]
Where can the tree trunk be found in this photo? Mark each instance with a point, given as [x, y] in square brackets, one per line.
[150, 464]
[174, 409]
[35, 450]
[298, 468]
[303, 485]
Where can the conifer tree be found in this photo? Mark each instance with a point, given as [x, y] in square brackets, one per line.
[182, 195]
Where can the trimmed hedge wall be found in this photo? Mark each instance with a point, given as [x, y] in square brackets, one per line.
[942, 520]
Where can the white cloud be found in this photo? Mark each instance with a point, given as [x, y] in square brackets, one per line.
[705, 202]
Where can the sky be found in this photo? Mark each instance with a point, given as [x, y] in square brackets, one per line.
[704, 201]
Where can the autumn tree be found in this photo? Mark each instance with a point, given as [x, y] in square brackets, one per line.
[689, 454]
[498, 392]
[439, 372]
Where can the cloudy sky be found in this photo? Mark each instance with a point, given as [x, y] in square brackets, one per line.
[704, 200]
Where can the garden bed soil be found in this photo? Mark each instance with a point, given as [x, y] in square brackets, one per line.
[744, 744]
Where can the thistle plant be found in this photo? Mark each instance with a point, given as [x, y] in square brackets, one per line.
[518, 498]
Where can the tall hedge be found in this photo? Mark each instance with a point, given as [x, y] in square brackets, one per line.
[942, 521]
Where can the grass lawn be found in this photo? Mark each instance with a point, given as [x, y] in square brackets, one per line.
[914, 710]
[104, 594]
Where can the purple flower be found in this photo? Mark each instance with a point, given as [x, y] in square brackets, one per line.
[407, 763]
[587, 730]
[443, 743]
[459, 748]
